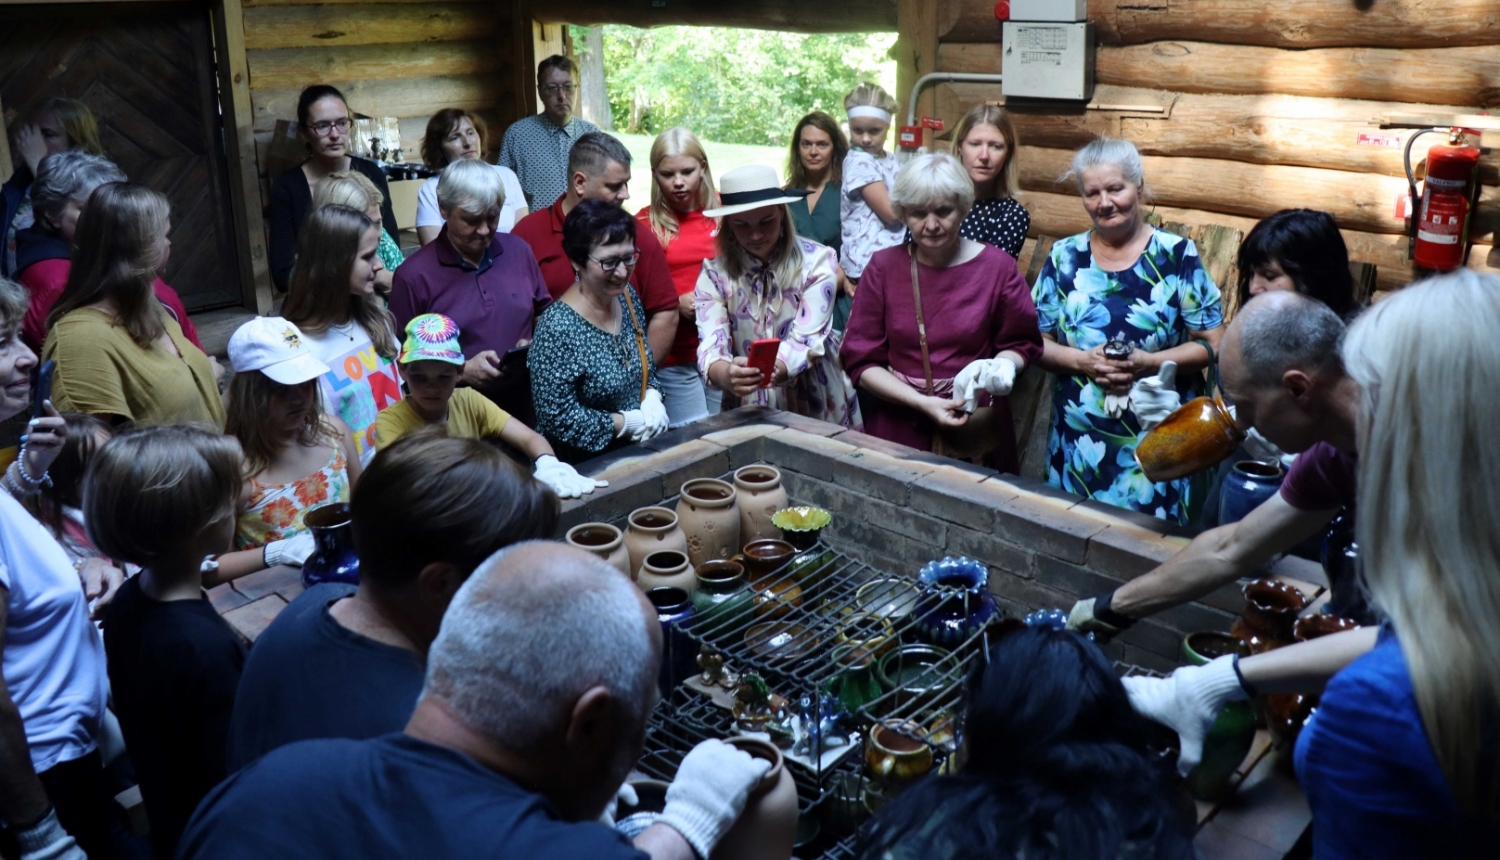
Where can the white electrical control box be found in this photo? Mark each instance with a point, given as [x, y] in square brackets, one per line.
[1048, 61]
[1049, 10]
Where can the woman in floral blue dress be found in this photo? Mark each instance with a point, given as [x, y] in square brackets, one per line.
[1121, 281]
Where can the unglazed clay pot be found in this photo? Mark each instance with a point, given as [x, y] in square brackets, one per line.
[760, 497]
[1195, 437]
[649, 530]
[767, 829]
[605, 541]
[667, 569]
[710, 518]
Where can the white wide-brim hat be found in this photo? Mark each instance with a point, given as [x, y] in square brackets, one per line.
[752, 187]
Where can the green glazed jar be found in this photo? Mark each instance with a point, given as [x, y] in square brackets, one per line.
[1233, 732]
[721, 594]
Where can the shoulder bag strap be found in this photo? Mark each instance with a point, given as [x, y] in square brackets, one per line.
[916, 297]
[640, 343]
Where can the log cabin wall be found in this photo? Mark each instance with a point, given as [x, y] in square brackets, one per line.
[405, 59]
[1242, 107]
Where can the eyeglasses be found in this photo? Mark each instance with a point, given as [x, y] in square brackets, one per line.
[554, 89]
[611, 263]
[322, 129]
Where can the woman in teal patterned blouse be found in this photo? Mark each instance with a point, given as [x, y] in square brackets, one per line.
[1122, 281]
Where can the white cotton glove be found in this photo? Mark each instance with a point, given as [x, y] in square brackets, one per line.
[626, 795]
[655, 413]
[634, 426]
[564, 479]
[1116, 405]
[1188, 701]
[293, 551]
[47, 840]
[709, 793]
[1155, 397]
[995, 375]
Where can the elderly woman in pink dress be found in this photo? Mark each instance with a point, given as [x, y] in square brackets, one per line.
[768, 282]
[947, 392]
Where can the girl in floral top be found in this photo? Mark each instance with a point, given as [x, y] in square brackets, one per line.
[297, 457]
[869, 221]
[1121, 281]
[767, 282]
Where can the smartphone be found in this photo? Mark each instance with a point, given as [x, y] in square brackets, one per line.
[514, 358]
[763, 358]
[41, 391]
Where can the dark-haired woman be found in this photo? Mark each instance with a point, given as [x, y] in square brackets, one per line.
[333, 302]
[1301, 250]
[120, 355]
[1055, 765]
[593, 377]
[455, 133]
[816, 165]
[326, 126]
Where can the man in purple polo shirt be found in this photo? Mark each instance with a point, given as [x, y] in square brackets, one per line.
[484, 280]
[1279, 365]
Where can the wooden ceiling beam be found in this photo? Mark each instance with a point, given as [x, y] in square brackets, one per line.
[830, 16]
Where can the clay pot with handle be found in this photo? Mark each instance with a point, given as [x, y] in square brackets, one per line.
[603, 540]
[1198, 435]
[760, 497]
[649, 530]
[710, 518]
[895, 759]
[767, 829]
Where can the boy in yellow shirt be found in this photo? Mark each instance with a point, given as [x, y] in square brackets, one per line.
[431, 363]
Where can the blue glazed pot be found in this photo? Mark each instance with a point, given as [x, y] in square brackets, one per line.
[1248, 484]
[955, 602]
[679, 653]
[334, 559]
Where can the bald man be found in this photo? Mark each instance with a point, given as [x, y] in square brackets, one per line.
[1279, 365]
[538, 690]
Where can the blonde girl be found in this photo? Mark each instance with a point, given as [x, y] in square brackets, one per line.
[355, 190]
[869, 222]
[985, 141]
[682, 187]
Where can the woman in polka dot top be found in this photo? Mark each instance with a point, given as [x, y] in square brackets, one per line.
[985, 141]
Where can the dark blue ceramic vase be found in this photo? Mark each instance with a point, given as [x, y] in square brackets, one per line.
[955, 602]
[679, 653]
[1248, 484]
[334, 559]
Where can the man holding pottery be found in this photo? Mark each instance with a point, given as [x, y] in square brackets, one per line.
[1279, 366]
[538, 690]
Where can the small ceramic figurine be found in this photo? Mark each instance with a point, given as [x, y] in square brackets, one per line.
[1117, 350]
[712, 664]
[752, 703]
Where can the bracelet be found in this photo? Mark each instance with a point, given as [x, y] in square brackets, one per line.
[34, 483]
[1244, 685]
[23, 488]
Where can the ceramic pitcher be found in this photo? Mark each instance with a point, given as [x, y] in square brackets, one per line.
[894, 758]
[710, 517]
[1195, 437]
[649, 530]
[334, 559]
[603, 540]
[760, 497]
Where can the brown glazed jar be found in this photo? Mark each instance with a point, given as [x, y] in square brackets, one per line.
[1271, 608]
[605, 541]
[760, 495]
[710, 518]
[1197, 436]
[767, 828]
[649, 530]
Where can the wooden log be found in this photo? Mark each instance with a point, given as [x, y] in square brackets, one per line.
[1302, 24]
[239, 150]
[916, 51]
[1456, 76]
[298, 67]
[400, 98]
[358, 24]
[844, 16]
[1322, 133]
[250, 3]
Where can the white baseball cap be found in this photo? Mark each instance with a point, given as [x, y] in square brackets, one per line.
[276, 348]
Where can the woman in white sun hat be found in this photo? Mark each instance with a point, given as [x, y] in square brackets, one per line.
[768, 282]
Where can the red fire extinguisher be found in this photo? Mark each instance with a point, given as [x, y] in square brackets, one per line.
[1440, 227]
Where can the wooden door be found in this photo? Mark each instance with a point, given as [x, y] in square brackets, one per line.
[146, 70]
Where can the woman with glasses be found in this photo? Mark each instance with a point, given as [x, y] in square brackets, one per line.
[593, 378]
[325, 125]
[768, 283]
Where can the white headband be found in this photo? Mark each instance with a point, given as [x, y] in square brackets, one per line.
[870, 111]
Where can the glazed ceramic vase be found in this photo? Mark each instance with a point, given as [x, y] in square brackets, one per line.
[760, 496]
[649, 530]
[767, 829]
[1198, 435]
[1229, 739]
[854, 685]
[667, 569]
[721, 596]
[1248, 484]
[955, 602]
[710, 519]
[800, 526]
[603, 540]
[1271, 608]
[776, 591]
[894, 759]
[679, 653]
[333, 558]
